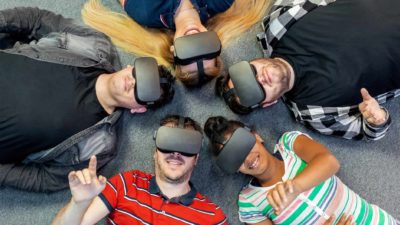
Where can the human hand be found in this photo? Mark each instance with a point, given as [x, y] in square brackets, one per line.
[344, 220]
[282, 195]
[370, 109]
[84, 184]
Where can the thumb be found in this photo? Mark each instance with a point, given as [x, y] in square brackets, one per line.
[365, 95]
[330, 220]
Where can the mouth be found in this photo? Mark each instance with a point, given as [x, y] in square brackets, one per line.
[176, 161]
[191, 30]
[254, 163]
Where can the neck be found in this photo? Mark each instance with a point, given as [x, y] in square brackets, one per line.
[273, 174]
[103, 93]
[186, 16]
[172, 190]
[291, 72]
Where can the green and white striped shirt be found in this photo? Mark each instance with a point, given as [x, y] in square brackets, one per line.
[313, 206]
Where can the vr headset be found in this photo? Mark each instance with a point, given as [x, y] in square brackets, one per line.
[177, 139]
[195, 48]
[147, 76]
[246, 86]
[235, 149]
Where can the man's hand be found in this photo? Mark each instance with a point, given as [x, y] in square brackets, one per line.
[84, 184]
[344, 220]
[282, 195]
[370, 109]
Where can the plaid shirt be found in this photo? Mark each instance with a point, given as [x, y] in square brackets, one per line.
[346, 122]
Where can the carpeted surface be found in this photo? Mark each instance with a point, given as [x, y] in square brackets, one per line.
[369, 168]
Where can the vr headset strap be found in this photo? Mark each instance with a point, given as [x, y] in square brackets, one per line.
[228, 93]
[200, 69]
[181, 122]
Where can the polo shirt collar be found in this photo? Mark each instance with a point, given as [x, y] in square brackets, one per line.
[185, 199]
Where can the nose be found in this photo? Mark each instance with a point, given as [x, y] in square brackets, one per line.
[176, 153]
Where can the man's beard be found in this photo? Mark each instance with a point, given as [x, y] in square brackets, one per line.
[173, 180]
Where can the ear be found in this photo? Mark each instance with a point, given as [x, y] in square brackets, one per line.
[141, 109]
[197, 159]
[267, 104]
[172, 49]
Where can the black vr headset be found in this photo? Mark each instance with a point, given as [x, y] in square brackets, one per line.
[246, 86]
[235, 149]
[195, 48]
[177, 139]
[147, 76]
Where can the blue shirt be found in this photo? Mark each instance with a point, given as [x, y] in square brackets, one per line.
[160, 13]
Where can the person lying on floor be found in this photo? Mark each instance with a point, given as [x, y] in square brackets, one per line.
[136, 197]
[334, 66]
[61, 86]
[296, 185]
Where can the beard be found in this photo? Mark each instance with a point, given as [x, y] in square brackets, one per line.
[175, 177]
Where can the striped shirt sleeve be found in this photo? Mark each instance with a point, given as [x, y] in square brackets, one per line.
[248, 213]
[109, 195]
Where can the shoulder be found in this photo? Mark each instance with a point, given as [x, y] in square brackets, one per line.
[132, 176]
[209, 209]
[286, 141]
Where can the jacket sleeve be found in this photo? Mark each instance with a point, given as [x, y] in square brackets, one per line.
[35, 23]
[372, 132]
[34, 177]
[349, 127]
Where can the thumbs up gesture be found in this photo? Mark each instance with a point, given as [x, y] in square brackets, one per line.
[370, 109]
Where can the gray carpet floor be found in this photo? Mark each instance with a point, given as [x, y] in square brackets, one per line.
[369, 168]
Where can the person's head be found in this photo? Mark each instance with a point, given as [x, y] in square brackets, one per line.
[274, 76]
[178, 143]
[121, 87]
[236, 147]
[188, 24]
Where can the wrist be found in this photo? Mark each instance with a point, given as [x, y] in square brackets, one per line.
[297, 186]
[81, 203]
[385, 115]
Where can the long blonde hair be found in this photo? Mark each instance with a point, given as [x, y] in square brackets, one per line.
[135, 39]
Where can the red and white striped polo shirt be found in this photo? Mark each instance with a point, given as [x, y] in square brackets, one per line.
[134, 198]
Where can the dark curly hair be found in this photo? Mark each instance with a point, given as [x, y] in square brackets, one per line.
[167, 88]
[221, 87]
[219, 126]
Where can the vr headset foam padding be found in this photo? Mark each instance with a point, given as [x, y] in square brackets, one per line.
[190, 48]
[147, 86]
[247, 88]
[235, 150]
[178, 140]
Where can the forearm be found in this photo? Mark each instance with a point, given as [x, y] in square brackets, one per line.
[36, 23]
[72, 213]
[47, 178]
[318, 170]
[321, 163]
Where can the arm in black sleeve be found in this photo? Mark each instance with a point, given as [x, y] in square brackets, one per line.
[34, 177]
[36, 23]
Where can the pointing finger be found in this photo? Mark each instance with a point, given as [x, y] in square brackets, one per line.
[92, 166]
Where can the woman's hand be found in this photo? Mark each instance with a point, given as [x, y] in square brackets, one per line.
[282, 195]
[344, 220]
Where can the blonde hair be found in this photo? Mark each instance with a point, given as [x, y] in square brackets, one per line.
[135, 39]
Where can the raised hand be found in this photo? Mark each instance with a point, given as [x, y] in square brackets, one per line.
[84, 184]
[370, 109]
[344, 220]
[282, 195]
